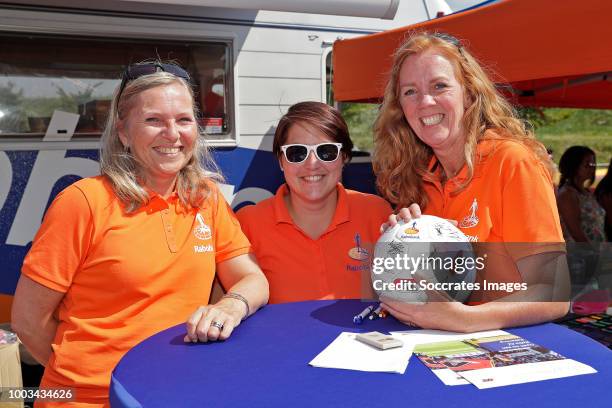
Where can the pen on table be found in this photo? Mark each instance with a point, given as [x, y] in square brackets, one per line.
[376, 313]
[358, 319]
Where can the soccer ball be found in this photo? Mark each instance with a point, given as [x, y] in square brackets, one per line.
[426, 249]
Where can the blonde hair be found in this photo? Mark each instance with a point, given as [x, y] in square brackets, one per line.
[119, 165]
[401, 159]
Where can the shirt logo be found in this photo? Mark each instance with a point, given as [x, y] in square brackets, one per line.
[203, 248]
[358, 253]
[472, 219]
[412, 232]
[201, 230]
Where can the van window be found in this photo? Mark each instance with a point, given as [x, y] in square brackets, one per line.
[42, 73]
[329, 79]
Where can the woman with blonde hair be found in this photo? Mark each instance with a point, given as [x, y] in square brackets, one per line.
[126, 254]
[448, 144]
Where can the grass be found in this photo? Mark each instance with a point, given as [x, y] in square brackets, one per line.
[569, 127]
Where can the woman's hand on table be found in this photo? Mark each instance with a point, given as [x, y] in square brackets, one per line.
[214, 322]
[248, 291]
[440, 313]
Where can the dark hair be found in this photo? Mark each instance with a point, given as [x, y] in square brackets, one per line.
[570, 163]
[322, 117]
[604, 187]
[605, 184]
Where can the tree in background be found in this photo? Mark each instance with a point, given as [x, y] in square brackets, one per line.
[12, 118]
[560, 128]
[556, 128]
[360, 119]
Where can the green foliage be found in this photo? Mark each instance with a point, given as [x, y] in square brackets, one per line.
[534, 116]
[17, 108]
[557, 128]
[568, 127]
[593, 120]
[12, 118]
[360, 118]
[70, 102]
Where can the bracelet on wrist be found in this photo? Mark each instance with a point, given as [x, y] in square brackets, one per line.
[238, 296]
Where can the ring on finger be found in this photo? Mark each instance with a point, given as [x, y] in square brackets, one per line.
[217, 325]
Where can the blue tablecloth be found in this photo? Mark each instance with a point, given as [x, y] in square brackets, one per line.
[265, 364]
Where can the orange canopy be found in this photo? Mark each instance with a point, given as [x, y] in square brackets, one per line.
[550, 52]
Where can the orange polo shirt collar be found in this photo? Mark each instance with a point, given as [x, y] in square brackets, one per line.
[281, 212]
[157, 203]
[484, 148]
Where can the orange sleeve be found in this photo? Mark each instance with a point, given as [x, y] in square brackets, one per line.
[62, 242]
[529, 209]
[230, 241]
[244, 218]
[382, 211]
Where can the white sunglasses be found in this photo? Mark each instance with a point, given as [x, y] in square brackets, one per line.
[325, 152]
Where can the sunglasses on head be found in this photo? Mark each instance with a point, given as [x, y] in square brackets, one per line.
[448, 38]
[325, 152]
[135, 71]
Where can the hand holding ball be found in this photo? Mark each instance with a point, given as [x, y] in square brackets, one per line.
[426, 249]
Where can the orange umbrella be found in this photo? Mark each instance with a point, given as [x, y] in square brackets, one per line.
[549, 52]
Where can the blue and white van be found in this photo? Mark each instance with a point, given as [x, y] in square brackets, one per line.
[249, 66]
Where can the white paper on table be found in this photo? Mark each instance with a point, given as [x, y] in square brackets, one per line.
[346, 352]
[433, 336]
[446, 375]
[524, 373]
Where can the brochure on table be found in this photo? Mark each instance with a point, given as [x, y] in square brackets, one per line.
[489, 359]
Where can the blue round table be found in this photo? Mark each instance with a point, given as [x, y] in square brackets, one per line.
[265, 364]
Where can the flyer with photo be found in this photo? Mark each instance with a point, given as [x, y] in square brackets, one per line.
[496, 361]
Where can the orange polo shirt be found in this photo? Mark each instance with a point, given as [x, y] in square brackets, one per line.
[333, 266]
[510, 199]
[125, 276]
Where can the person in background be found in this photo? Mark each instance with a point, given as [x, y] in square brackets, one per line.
[448, 144]
[555, 169]
[582, 218]
[603, 193]
[121, 256]
[314, 238]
